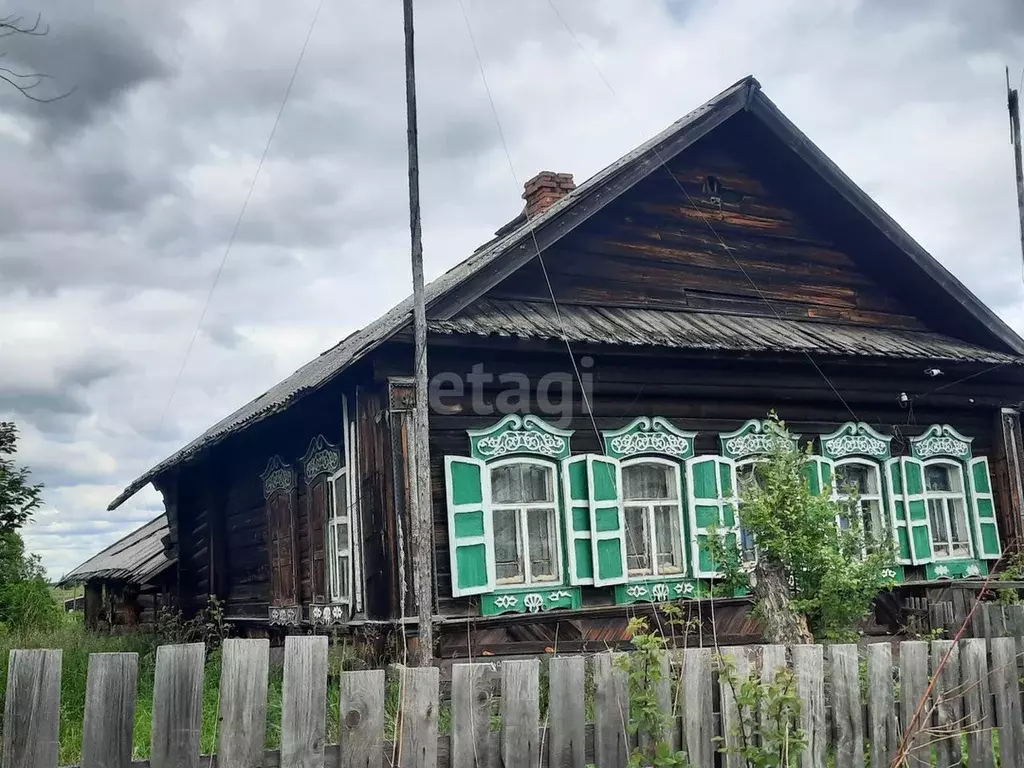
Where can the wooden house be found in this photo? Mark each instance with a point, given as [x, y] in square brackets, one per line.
[130, 581]
[600, 376]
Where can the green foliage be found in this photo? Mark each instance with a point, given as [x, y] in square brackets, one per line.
[647, 720]
[26, 600]
[1014, 571]
[18, 497]
[207, 626]
[767, 733]
[831, 581]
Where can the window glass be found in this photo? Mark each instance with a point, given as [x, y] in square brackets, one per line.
[938, 478]
[638, 559]
[857, 477]
[542, 544]
[508, 566]
[653, 513]
[338, 557]
[521, 484]
[666, 536]
[643, 482]
[947, 510]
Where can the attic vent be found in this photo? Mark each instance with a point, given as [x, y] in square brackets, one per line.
[711, 186]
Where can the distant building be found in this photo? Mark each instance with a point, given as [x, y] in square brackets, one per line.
[129, 581]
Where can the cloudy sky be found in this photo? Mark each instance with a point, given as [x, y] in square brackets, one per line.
[117, 202]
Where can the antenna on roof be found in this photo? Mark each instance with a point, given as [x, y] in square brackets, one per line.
[1013, 105]
[420, 516]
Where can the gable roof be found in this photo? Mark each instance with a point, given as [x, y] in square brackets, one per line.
[135, 559]
[489, 265]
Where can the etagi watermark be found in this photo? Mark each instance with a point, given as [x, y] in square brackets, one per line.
[552, 397]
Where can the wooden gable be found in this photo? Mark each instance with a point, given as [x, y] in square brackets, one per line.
[719, 231]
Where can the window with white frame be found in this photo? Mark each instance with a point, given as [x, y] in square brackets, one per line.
[946, 498]
[525, 523]
[861, 479]
[339, 540]
[653, 512]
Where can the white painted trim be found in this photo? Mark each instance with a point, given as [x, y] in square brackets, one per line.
[334, 515]
[895, 521]
[963, 496]
[568, 504]
[599, 536]
[528, 582]
[650, 504]
[352, 439]
[976, 496]
[487, 539]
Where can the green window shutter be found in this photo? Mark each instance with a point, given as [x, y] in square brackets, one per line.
[470, 535]
[919, 525]
[607, 523]
[986, 530]
[897, 510]
[818, 472]
[710, 488]
[576, 491]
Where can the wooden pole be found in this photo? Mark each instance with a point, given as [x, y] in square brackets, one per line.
[1013, 104]
[421, 518]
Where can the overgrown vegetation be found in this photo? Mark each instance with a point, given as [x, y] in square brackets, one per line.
[1014, 571]
[812, 578]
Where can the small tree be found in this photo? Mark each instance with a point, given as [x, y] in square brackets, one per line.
[17, 496]
[811, 578]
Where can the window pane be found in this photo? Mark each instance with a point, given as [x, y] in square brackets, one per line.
[343, 593]
[637, 555]
[340, 506]
[747, 551]
[341, 542]
[666, 539]
[641, 482]
[507, 562]
[542, 544]
[871, 519]
[521, 483]
[936, 513]
[957, 522]
[856, 477]
[937, 478]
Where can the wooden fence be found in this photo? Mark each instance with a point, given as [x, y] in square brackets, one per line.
[856, 703]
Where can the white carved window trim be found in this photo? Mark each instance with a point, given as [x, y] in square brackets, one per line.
[522, 531]
[339, 547]
[680, 544]
[880, 524]
[946, 497]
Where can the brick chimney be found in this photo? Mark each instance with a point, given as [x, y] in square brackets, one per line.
[544, 190]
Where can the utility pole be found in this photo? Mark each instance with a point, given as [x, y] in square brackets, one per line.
[1013, 104]
[421, 519]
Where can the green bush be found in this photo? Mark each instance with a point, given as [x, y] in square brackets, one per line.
[29, 605]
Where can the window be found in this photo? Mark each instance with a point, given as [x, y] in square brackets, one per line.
[947, 509]
[525, 519]
[339, 540]
[863, 479]
[747, 474]
[651, 497]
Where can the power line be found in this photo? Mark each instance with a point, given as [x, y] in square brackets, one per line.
[533, 233]
[701, 213]
[241, 213]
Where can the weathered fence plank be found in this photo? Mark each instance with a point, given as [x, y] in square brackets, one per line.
[418, 718]
[1006, 693]
[110, 690]
[32, 710]
[773, 658]
[243, 703]
[361, 718]
[914, 708]
[611, 712]
[698, 717]
[735, 730]
[471, 716]
[978, 715]
[809, 669]
[177, 706]
[948, 698]
[881, 705]
[520, 714]
[847, 717]
[304, 702]
[567, 713]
